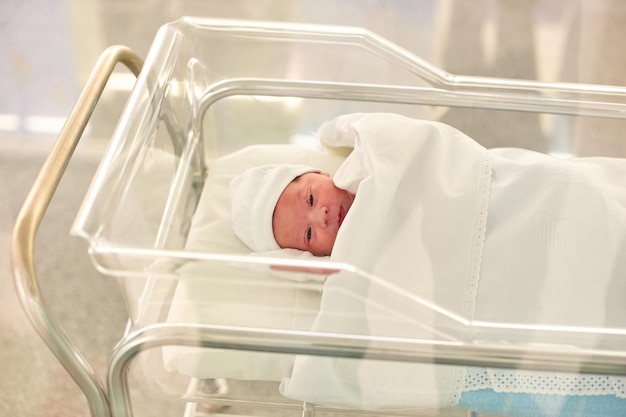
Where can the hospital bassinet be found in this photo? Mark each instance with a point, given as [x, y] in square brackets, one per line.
[211, 324]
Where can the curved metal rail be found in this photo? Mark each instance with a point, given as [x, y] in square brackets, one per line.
[32, 212]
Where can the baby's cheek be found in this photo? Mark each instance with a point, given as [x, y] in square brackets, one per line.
[331, 240]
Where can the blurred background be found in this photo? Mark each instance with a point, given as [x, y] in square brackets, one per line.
[49, 47]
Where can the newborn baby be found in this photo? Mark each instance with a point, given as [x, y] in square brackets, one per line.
[288, 206]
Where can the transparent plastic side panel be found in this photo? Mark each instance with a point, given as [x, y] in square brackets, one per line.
[124, 207]
[384, 388]
[239, 338]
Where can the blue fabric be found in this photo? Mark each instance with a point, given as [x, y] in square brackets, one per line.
[542, 405]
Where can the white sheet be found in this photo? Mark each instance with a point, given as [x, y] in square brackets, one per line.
[424, 205]
[220, 294]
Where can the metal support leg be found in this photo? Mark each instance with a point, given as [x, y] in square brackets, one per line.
[308, 409]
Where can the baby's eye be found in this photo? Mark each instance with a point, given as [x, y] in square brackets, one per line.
[308, 234]
[311, 200]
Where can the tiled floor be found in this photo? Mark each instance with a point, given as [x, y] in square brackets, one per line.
[48, 47]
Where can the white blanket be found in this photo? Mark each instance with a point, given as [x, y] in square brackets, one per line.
[417, 222]
[422, 223]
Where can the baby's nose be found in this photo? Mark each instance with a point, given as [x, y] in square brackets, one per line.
[323, 216]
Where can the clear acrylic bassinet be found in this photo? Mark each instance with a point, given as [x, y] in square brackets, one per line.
[211, 326]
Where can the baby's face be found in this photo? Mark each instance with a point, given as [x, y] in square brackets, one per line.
[309, 212]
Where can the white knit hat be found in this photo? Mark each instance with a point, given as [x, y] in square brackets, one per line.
[254, 195]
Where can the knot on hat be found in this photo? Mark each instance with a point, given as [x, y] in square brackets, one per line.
[254, 195]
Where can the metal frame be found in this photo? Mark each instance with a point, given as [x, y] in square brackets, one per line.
[33, 210]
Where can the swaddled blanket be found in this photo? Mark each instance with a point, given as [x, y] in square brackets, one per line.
[455, 232]
[418, 223]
